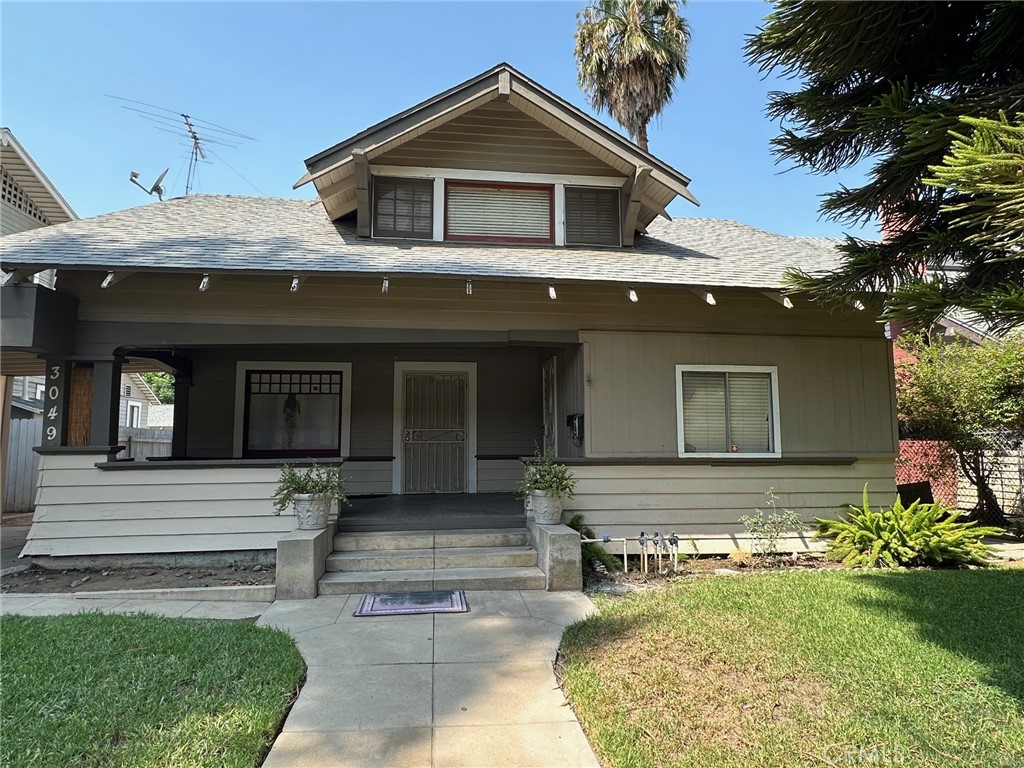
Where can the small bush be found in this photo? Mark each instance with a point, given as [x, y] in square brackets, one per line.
[741, 558]
[921, 534]
[766, 528]
[543, 473]
[593, 553]
[317, 479]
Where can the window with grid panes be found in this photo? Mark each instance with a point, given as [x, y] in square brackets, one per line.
[292, 413]
[726, 412]
[403, 208]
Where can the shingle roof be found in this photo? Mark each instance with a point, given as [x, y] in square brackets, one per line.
[210, 233]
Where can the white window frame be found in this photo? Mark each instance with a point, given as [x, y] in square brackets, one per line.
[137, 408]
[773, 377]
[344, 439]
[558, 181]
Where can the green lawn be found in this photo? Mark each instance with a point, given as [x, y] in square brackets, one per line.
[95, 690]
[911, 668]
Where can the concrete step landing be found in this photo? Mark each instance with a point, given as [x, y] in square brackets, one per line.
[413, 561]
[357, 582]
[432, 559]
[392, 540]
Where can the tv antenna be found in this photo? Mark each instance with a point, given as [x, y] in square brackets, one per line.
[156, 189]
[200, 136]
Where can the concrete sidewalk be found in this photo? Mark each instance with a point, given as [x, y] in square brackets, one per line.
[12, 541]
[472, 689]
[469, 690]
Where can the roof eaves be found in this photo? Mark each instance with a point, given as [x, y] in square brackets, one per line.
[7, 138]
[615, 141]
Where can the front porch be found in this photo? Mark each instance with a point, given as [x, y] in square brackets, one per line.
[431, 512]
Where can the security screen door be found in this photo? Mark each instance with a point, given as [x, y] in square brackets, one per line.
[434, 433]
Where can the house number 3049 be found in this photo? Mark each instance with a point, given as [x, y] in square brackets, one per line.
[53, 394]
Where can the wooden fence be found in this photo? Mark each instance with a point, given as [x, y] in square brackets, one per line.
[143, 442]
[21, 473]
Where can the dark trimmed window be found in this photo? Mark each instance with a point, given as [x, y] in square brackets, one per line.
[292, 413]
[592, 216]
[501, 213]
[403, 208]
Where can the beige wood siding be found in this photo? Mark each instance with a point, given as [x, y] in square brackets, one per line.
[427, 303]
[707, 501]
[508, 397]
[834, 394]
[570, 398]
[81, 510]
[499, 476]
[497, 137]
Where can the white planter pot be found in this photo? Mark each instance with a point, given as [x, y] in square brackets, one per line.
[547, 510]
[311, 511]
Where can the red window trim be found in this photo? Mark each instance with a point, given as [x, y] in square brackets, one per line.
[549, 188]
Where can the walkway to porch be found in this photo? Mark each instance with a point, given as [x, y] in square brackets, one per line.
[432, 512]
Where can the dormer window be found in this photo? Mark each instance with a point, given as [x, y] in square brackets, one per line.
[403, 208]
[499, 212]
[592, 216]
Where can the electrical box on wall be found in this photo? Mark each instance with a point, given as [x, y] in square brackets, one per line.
[574, 424]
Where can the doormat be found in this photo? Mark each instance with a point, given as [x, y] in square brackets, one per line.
[401, 603]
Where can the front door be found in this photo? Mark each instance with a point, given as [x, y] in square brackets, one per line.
[434, 432]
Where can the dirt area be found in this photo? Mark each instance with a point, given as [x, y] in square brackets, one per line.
[617, 582]
[16, 518]
[40, 580]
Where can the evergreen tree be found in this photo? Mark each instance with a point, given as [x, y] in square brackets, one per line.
[898, 84]
[630, 54]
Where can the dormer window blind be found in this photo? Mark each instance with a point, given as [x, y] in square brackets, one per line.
[403, 208]
[505, 213]
[592, 216]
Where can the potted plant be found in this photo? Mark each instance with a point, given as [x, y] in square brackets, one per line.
[310, 491]
[547, 484]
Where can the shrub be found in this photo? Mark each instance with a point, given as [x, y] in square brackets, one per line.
[741, 558]
[317, 479]
[593, 553]
[921, 534]
[765, 529]
[543, 473]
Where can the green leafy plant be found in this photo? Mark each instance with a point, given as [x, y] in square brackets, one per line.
[543, 473]
[316, 480]
[592, 552]
[921, 534]
[766, 528]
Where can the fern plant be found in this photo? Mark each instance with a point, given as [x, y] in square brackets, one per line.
[921, 534]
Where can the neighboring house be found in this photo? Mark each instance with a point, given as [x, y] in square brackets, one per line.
[28, 201]
[495, 271]
[136, 398]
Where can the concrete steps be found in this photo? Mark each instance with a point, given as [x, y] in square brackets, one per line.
[412, 561]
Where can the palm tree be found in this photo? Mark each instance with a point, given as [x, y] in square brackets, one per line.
[629, 54]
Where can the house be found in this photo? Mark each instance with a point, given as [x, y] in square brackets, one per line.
[136, 399]
[28, 201]
[489, 271]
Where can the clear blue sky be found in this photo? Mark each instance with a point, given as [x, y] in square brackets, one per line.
[301, 77]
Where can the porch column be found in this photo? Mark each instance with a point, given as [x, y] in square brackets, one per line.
[106, 399]
[179, 437]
